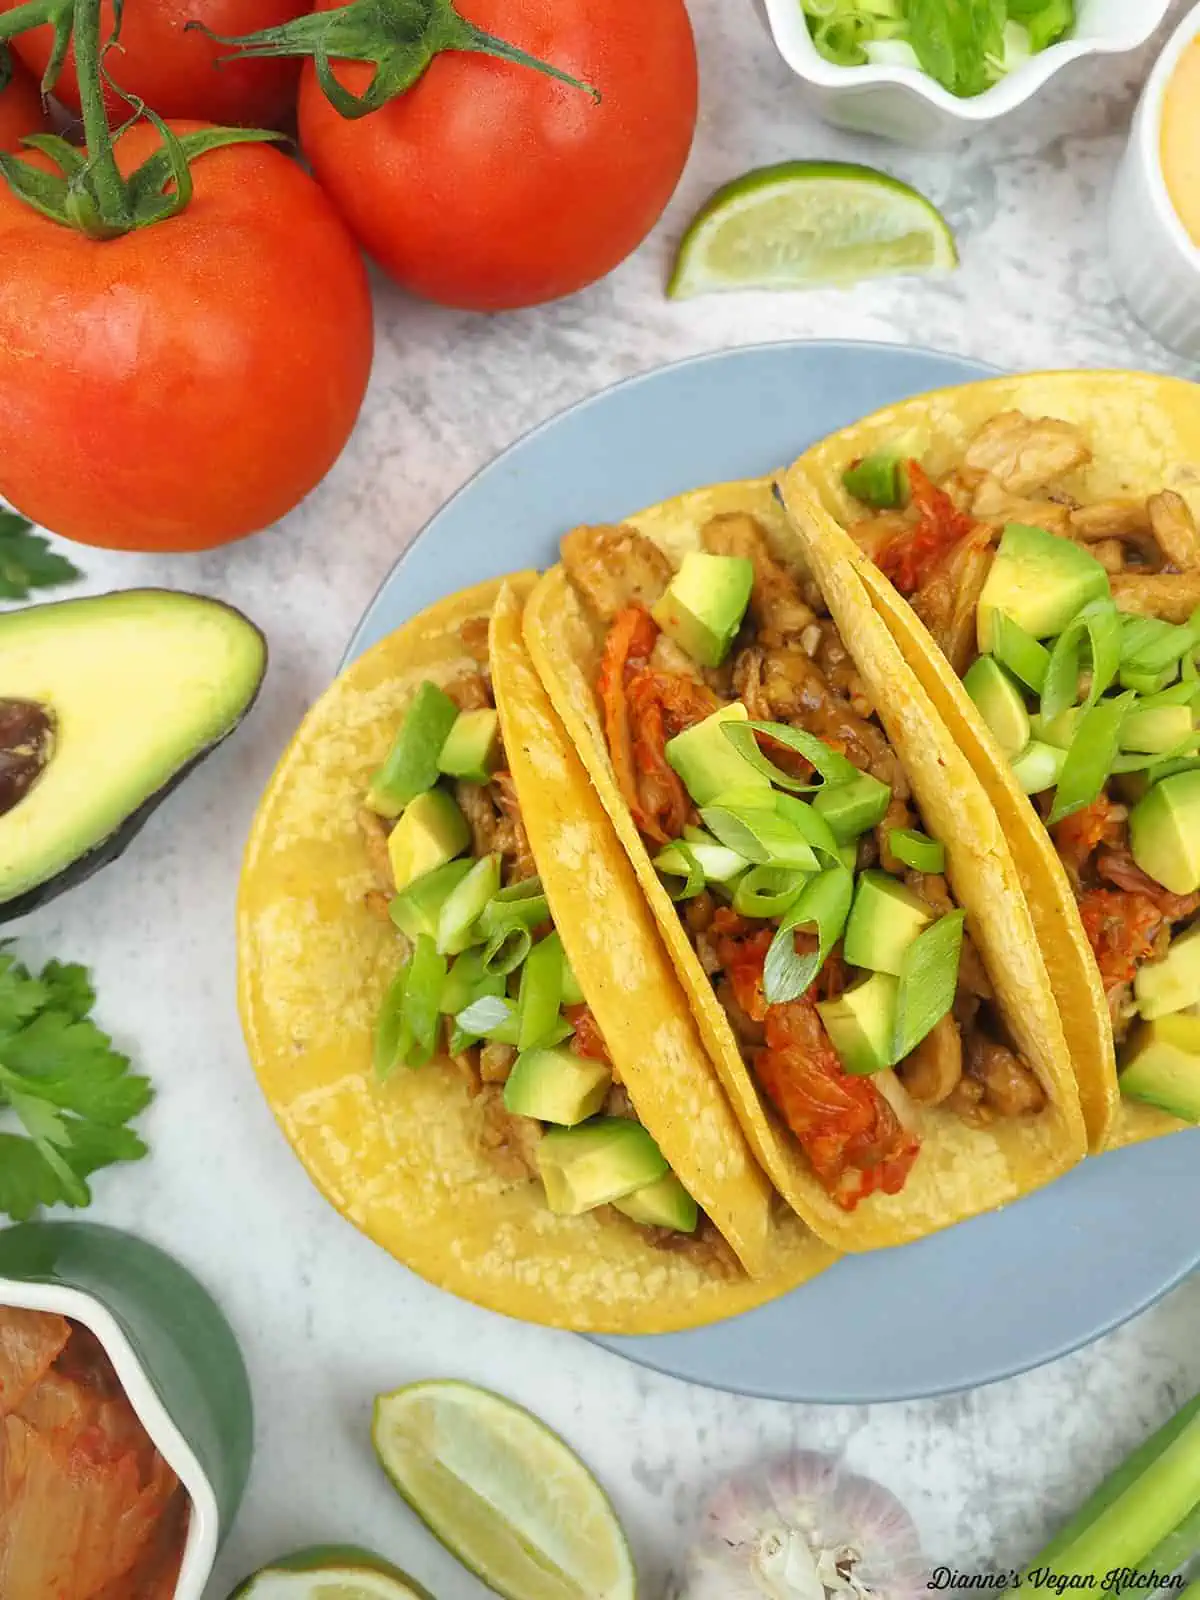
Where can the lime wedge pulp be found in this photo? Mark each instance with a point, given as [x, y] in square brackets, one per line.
[330, 1572]
[503, 1493]
[804, 224]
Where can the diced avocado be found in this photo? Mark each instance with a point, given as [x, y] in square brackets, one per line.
[431, 832]
[709, 765]
[556, 1086]
[472, 749]
[1038, 766]
[411, 765]
[665, 1204]
[1162, 1066]
[1156, 729]
[884, 920]
[106, 703]
[417, 910]
[704, 605]
[1173, 983]
[851, 808]
[601, 1161]
[1040, 581]
[1058, 730]
[464, 905]
[861, 1022]
[1164, 832]
[1000, 704]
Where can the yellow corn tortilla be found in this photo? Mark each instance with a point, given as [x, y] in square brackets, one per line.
[1144, 431]
[400, 1161]
[961, 1170]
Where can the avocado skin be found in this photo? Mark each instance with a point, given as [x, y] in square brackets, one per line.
[112, 848]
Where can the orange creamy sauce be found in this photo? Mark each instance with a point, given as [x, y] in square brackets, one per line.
[89, 1510]
[1181, 139]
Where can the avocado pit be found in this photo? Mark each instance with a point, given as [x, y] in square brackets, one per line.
[26, 746]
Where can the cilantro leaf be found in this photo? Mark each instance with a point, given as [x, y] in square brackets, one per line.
[953, 40]
[27, 561]
[61, 1079]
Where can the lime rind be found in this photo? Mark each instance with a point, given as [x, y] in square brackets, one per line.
[504, 1494]
[330, 1572]
[808, 224]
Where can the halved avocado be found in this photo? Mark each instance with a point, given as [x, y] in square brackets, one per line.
[106, 704]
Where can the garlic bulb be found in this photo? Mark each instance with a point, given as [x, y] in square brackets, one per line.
[803, 1528]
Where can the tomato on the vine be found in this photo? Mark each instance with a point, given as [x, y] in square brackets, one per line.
[190, 381]
[21, 109]
[176, 72]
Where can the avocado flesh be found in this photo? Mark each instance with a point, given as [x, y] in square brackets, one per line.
[884, 920]
[137, 687]
[851, 808]
[1164, 832]
[860, 1023]
[1173, 983]
[556, 1085]
[597, 1162]
[1000, 703]
[1162, 1066]
[704, 604]
[1040, 581]
[472, 749]
[665, 1204]
[708, 763]
[431, 832]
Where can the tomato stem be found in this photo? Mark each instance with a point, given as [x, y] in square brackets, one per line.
[398, 37]
[102, 203]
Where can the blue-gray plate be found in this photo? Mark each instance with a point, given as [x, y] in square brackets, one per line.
[982, 1301]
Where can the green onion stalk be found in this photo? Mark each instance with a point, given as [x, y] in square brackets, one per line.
[86, 190]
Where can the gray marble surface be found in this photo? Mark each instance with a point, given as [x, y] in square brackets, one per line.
[327, 1320]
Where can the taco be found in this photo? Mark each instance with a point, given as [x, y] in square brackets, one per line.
[811, 843]
[461, 1014]
[1036, 559]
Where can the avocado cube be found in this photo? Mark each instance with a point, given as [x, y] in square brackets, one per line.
[709, 765]
[411, 766]
[431, 832]
[1156, 729]
[1164, 832]
[1173, 983]
[704, 604]
[665, 1204]
[556, 1085]
[1040, 581]
[861, 1023]
[884, 920]
[1000, 704]
[416, 911]
[596, 1163]
[472, 749]
[851, 808]
[1161, 1066]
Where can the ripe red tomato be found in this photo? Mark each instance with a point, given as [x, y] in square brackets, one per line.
[21, 109]
[191, 381]
[174, 72]
[488, 185]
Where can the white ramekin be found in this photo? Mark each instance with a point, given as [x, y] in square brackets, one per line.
[1154, 261]
[904, 104]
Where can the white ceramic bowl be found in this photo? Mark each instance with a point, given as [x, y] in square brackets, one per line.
[904, 104]
[201, 1550]
[1154, 260]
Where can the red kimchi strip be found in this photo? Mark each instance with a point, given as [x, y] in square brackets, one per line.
[630, 640]
[910, 557]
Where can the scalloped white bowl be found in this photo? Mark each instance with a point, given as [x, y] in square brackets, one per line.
[909, 106]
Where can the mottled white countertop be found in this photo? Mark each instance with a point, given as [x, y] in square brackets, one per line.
[326, 1319]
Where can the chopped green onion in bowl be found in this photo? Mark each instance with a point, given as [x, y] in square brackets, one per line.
[966, 48]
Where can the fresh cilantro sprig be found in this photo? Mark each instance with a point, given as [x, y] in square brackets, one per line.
[63, 1085]
[27, 561]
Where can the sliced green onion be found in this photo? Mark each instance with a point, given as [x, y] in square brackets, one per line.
[1038, 766]
[807, 820]
[840, 39]
[679, 861]
[1143, 761]
[880, 479]
[1090, 759]
[1175, 1551]
[1100, 624]
[892, 51]
[823, 902]
[1170, 765]
[572, 994]
[768, 891]
[540, 994]
[465, 904]
[1150, 645]
[928, 980]
[760, 835]
[1024, 656]
[506, 949]
[1147, 682]
[530, 911]
[423, 999]
[492, 1017]
[833, 767]
[717, 862]
[393, 1037]
[1047, 22]
[1179, 694]
[468, 982]
[917, 850]
[1188, 670]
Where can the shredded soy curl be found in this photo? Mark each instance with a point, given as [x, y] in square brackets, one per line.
[803, 1528]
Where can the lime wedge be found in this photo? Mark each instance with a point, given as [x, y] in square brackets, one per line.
[330, 1572]
[806, 223]
[503, 1494]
